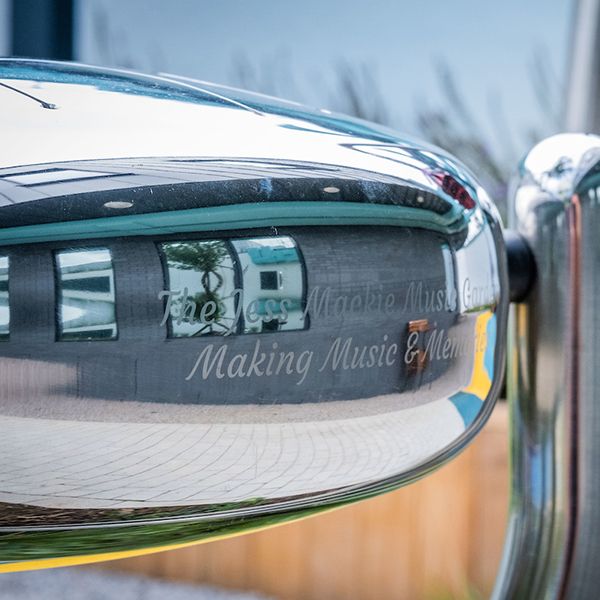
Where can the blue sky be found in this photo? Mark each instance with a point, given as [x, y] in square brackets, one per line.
[489, 47]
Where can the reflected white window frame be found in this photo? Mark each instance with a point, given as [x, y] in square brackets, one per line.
[77, 334]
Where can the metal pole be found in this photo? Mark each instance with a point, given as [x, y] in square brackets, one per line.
[553, 540]
[552, 548]
[583, 90]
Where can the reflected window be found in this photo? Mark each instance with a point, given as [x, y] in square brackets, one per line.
[272, 278]
[269, 280]
[4, 306]
[86, 295]
[201, 296]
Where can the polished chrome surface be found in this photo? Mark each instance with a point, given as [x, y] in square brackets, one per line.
[221, 311]
[552, 547]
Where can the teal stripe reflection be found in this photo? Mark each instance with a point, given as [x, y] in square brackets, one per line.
[237, 216]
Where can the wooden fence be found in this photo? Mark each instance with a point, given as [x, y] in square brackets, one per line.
[439, 538]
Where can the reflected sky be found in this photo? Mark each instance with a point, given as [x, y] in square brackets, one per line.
[402, 41]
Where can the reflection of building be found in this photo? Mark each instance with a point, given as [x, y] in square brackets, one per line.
[273, 284]
[337, 296]
[240, 286]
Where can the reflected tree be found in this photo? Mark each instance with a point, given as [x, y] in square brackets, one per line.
[207, 258]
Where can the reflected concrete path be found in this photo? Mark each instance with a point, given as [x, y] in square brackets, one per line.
[74, 464]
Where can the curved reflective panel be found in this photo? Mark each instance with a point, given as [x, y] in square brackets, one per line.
[552, 543]
[220, 311]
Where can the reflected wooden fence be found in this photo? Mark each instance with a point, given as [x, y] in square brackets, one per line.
[439, 538]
